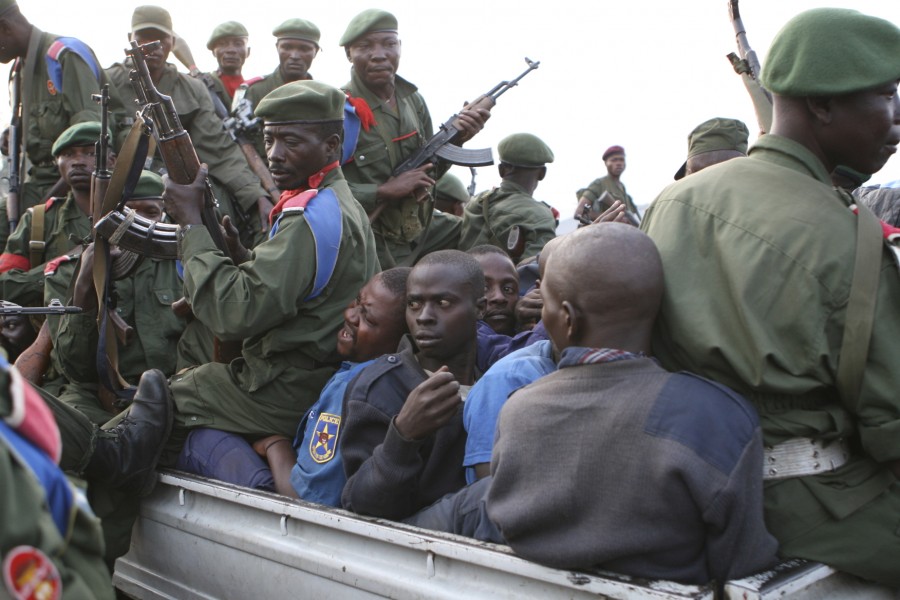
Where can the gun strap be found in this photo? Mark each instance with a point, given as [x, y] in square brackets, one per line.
[36, 243]
[860, 318]
[27, 83]
[492, 237]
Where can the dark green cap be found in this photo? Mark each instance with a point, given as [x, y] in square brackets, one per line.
[829, 51]
[80, 134]
[716, 134]
[449, 186]
[151, 17]
[5, 5]
[305, 101]
[298, 29]
[368, 21]
[149, 186]
[227, 29]
[524, 150]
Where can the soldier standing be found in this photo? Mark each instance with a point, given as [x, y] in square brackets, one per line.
[228, 43]
[614, 159]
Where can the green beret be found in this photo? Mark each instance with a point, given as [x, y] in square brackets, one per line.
[368, 21]
[524, 150]
[305, 101]
[6, 5]
[297, 29]
[149, 186]
[716, 134]
[227, 29]
[828, 51]
[449, 186]
[80, 134]
[151, 17]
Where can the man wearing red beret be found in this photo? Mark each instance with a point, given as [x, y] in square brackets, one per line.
[614, 159]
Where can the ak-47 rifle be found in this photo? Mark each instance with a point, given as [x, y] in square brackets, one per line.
[442, 145]
[54, 308]
[101, 175]
[13, 202]
[747, 66]
[238, 134]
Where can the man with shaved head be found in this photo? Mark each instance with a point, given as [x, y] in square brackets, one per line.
[612, 461]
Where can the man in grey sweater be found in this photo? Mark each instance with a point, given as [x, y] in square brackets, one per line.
[611, 461]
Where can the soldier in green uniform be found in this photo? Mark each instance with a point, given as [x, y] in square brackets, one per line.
[491, 215]
[286, 309]
[228, 43]
[712, 142]
[395, 122]
[614, 159]
[773, 284]
[56, 227]
[450, 195]
[57, 76]
[238, 190]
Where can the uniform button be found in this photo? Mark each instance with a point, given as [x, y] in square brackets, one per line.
[392, 359]
[165, 297]
[362, 157]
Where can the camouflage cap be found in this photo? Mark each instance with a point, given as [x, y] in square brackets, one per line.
[305, 101]
[612, 151]
[6, 5]
[449, 186]
[828, 51]
[226, 29]
[524, 150]
[81, 134]
[149, 186]
[151, 17]
[716, 134]
[368, 21]
[298, 29]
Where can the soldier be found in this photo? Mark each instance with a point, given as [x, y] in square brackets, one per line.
[773, 285]
[57, 76]
[712, 142]
[287, 315]
[450, 195]
[491, 215]
[228, 43]
[394, 124]
[614, 159]
[56, 227]
[238, 190]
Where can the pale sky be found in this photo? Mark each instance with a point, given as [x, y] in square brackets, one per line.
[638, 74]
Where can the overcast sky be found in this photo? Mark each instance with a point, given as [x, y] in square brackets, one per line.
[636, 74]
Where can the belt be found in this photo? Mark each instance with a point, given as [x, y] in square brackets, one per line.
[803, 456]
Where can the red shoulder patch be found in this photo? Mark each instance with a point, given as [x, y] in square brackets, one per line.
[51, 202]
[29, 574]
[253, 80]
[53, 265]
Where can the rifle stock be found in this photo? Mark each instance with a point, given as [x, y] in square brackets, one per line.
[747, 66]
[13, 201]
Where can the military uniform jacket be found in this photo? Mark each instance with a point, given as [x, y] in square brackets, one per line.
[489, 217]
[381, 149]
[263, 301]
[615, 189]
[258, 90]
[758, 254]
[64, 225]
[195, 109]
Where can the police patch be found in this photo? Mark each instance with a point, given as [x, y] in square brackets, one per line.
[30, 575]
[324, 437]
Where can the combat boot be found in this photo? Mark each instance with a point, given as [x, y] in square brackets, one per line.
[126, 459]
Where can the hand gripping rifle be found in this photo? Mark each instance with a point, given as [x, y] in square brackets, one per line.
[747, 66]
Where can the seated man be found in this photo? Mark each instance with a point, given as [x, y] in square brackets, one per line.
[654, 475]
[403, 439]
[502, 287]
[311, 469]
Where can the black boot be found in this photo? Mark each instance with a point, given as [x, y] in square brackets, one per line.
[127, 459]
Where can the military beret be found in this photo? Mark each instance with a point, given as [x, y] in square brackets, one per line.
[151, 17]
[828, 51]
[613, 150]
[368, 21]
[449, 186]
[6, 5]
[716, 134]
[305, 101]
[226, 29]
[524, 150]
[81, 134]
[298, 29]
[149, 185]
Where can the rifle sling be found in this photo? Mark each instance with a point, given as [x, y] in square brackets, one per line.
[27, 83]
[36, 244]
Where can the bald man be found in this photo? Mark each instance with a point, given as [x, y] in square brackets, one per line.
[611, 461]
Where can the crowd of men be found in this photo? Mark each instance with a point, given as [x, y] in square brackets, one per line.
[691, 398]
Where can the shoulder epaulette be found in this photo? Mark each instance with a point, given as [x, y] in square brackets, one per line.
[53, 265]
[68, 44]
[51, 202]
[253, 80]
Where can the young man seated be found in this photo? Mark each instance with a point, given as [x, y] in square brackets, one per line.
[403, 439]
[501, 288]
[653, 474]
[311, 467]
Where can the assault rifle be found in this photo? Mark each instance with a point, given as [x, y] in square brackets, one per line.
[101, 175]
[747, 66]
[13, 203]
[54, 308]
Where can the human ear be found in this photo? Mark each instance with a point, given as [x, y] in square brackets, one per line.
[821, 108]
[574, 322]
[480, 307]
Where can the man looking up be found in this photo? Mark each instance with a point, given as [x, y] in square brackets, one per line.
[403, 439]
[815, 347]
[395, 122]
